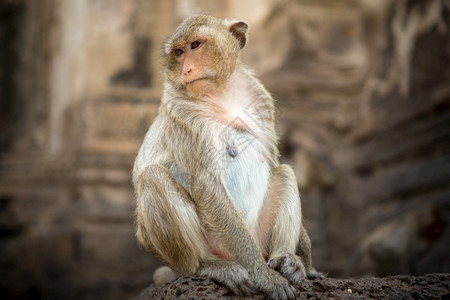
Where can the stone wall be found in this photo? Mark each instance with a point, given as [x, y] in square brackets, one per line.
[363, 96]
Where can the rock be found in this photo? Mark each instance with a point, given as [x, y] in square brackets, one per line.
[430, 286]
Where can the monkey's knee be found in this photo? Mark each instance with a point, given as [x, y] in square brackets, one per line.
[167, 222]
[285, 175]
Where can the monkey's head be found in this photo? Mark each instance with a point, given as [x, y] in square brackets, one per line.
[203, 53]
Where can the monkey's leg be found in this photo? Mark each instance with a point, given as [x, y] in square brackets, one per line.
[304, 251]
[280, 228]
[169, 227]
[167, 222]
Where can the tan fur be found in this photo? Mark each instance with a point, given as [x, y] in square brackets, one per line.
[212, 198]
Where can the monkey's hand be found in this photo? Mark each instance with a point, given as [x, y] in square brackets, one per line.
[230, 273]
[274, 285]
[290, 266]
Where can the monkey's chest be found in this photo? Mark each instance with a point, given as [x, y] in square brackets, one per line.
[247, 173]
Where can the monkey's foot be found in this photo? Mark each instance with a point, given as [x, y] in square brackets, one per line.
[313, 274]
[231, 274]
[290, 266]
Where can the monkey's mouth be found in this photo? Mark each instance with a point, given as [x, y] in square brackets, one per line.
[198, 79]
[195, 80]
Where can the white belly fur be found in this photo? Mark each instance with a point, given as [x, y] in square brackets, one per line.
[247, 176]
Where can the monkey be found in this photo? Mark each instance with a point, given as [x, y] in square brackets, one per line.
[212, 198]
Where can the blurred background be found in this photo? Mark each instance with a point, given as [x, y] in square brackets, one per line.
[363, 90]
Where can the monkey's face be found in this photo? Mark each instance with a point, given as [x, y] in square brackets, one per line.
[203, 53]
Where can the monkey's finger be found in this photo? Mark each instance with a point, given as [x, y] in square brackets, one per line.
[286, 292]
[291, 292]
[313, 274]
[243, 288]
[247, 288]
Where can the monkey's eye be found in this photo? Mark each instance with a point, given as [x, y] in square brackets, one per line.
[195, 44]
[178, 52]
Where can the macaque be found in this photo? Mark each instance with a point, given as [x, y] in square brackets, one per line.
[212, 198]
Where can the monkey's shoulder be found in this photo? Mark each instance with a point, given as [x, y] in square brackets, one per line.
[153, 148]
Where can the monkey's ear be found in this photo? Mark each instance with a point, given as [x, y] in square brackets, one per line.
[239, 31]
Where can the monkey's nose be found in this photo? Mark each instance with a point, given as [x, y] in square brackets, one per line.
[187, 71]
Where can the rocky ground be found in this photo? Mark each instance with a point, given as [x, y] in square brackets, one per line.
[430, 286]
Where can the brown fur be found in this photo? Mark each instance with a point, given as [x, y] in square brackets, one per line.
[202, 208]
